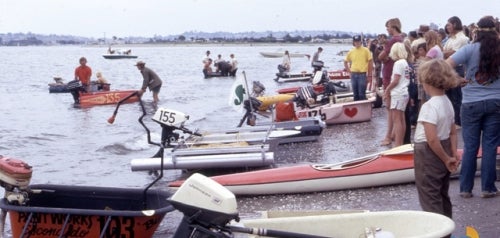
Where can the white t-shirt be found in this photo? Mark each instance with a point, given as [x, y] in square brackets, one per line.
[401, 67]
[438, 111]
[456, 42]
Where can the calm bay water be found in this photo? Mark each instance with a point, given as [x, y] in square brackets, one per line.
[67, 145]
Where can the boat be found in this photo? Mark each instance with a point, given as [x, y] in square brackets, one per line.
[280, 54]
[119, 54]
[50, 210]
[336, 75]
[393, 166]
[344, 110]
[107, 97]
[210, 210]
[193, 149]
[355, 224]
[284, 77]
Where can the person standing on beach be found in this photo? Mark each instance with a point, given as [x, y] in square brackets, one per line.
[393, 27]
[480, 110]
[397, 91]
[150, 80]
[456, 40]
[435, 147]
[359, 63]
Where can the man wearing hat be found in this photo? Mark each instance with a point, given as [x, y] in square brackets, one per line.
[359, 63]
[150, 80]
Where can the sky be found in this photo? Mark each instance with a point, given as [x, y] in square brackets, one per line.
[147, 18]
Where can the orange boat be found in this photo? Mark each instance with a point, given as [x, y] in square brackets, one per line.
[394, 166]
[44, 211]
[106, 97]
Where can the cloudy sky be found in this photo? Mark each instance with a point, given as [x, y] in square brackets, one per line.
[122, 18]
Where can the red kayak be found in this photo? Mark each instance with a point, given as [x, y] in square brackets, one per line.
[106, 97]
[394, 166]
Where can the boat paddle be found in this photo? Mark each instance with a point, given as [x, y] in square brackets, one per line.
[271, 233]
[111, 120]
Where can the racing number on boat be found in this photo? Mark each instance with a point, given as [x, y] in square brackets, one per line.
[117, 227]
[112, 97]
[167, 117]
[315, 113]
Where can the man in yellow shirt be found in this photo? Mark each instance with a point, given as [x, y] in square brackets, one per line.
[359, 63]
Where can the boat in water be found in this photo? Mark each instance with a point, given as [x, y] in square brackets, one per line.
[280, 54]
[107, 97]
[119, 54]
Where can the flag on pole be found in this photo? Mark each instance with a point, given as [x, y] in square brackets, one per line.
[238, 94]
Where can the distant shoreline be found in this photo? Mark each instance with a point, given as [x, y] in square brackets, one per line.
[213, 44]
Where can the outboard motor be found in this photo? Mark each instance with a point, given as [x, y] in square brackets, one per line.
[15, 177]
[258, 89]
[250, 105]
[171, 120]
[305, 96]
[207, 207]
[317, 66]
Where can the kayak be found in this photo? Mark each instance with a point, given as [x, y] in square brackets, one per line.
[394, 166]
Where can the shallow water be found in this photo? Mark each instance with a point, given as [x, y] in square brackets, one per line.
[68, 145]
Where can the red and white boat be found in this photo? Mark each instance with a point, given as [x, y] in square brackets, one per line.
[394, 166]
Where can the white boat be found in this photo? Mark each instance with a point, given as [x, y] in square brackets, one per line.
[280, 54]
[210, 210]
[403, 223]
[119, 54]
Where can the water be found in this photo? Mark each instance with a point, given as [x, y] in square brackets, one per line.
[67, 145]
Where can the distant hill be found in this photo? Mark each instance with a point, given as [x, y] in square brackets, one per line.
[23, 39]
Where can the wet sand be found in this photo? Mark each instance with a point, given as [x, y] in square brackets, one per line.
[341, 142]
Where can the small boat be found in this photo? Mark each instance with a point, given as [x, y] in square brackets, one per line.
[119, 54]
[280, 54]
[344, 110]
[356, 224]
[210, 210]
[393, 166]
[107, 97]
[58, 86]
[284, 77]
[47, 210]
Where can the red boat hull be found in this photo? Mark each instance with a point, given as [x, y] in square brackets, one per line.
[368, 171]
[106, 97]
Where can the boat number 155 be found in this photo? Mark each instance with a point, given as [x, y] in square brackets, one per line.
[167, 117]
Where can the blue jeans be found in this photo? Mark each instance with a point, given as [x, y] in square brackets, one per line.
[358, 83]
[480, 117]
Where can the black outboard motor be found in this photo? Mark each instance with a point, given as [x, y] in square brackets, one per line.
[317, 66]
[75, 87]
[305, 96]
[251, 105]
